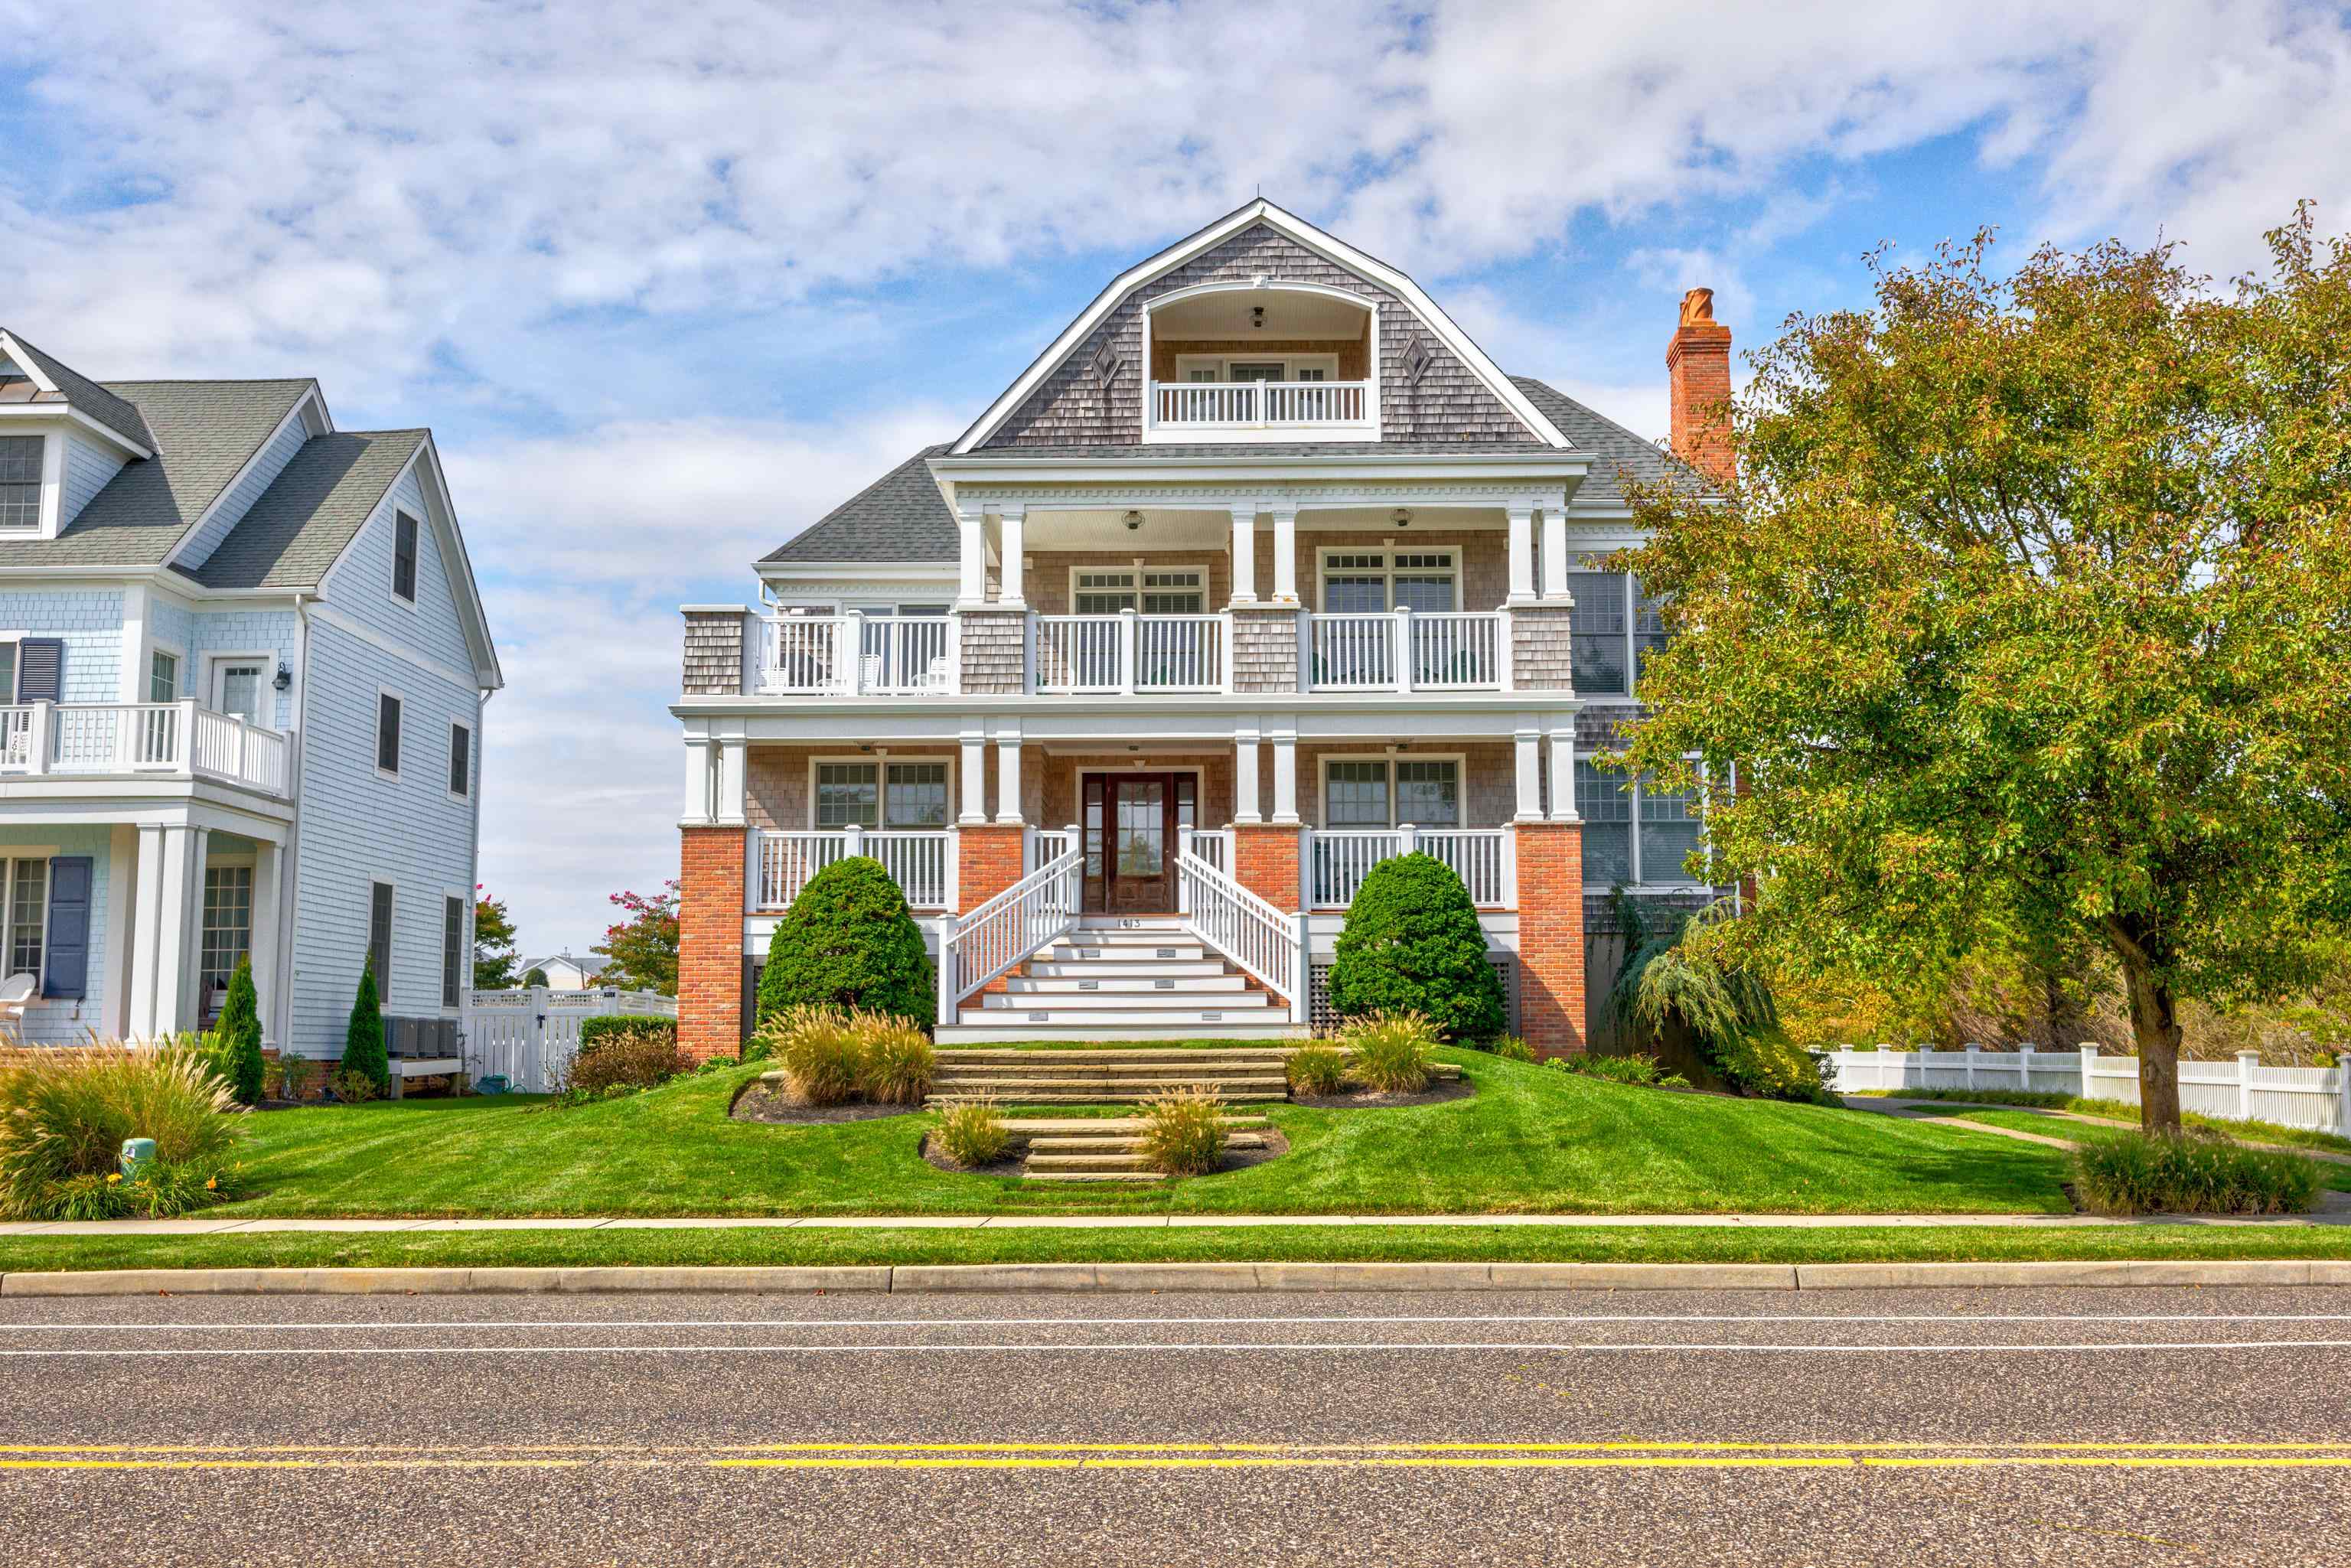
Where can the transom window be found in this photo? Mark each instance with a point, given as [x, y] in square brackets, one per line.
[1154, 591]
[1256, 368]
[1614, 630]
[855, 794]
[20, 482]
[26, 909]
[1634, 833]
[1360, 582]
[228, 924]
[1423, 791]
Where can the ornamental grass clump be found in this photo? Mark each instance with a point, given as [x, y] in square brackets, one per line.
[821, 1052]
[65, 1114]
[1389, 1052]
[972, 1135]
[642, 1054]
[1318, 1067]
[2190, 1173]
[1184, 1131]
[895, 1064]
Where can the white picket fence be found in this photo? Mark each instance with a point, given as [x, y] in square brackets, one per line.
[529, 1035]
[2242, 1090]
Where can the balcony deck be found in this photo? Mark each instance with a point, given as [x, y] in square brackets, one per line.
[142, 740]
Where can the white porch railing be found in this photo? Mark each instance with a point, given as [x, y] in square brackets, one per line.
[1480, 857]
[855, 654]
[1047, 845]
[1071, 654]
[1245, 928]
[174, 739]
[975, 948]
[1191, 406]
[2318, 1098]
[920, 860]
[1453, 650]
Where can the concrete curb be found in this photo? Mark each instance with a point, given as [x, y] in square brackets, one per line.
[1132, 1277]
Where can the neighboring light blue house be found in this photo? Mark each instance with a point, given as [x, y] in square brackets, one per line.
[243, 661]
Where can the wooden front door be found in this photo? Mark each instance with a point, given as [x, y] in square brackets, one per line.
[1133, 825]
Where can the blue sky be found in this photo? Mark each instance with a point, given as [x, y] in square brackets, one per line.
[668, 286]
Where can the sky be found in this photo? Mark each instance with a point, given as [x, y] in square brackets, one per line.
[670, 283]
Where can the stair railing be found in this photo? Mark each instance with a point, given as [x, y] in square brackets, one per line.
[1259, 937]
[1039, 909]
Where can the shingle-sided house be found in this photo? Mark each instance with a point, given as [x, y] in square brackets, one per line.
[1261, 572]
[243, 661]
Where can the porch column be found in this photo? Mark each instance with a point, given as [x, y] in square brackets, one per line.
[1562, 774]
[1285, 555]
[975, 777]
[1522, 553]
[1554, 553]
[1008, 777]
[1245, 552]
[1246, 798]
[971, 543]
[1529, 749]
[267, 858]
[713, 872]
[1010, 533]
[733, 759]
[162, 959]
[699, 758]
[1285, 777]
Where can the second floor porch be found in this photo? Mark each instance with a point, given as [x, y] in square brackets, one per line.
[127, 741]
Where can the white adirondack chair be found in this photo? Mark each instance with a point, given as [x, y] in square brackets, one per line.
[15, 996]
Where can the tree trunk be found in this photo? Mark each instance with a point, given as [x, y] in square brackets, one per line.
[2155, 1029]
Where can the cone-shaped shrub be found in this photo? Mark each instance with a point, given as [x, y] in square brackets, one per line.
[848, 942]
[1412, 944]
[240, 1034]
[363, 1051]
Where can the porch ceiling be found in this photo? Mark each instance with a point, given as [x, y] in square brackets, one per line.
[1171, 527]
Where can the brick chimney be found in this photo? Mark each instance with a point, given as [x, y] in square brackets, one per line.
[1697, 362]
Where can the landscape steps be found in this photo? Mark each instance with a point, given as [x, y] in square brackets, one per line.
[1106, 1077]
[1135, 980]
[1110, 1148]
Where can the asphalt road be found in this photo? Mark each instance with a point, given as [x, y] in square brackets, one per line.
[1959, 1427]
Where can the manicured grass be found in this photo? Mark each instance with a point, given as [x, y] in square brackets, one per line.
[2122, 1111]
[2330, 1175]
[1391, 1243]
[1529, 1140]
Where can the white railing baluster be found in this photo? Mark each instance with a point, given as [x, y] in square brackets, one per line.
[1206, 405]
[919, 859]
[1253, 933]
[978, 948]
[1342, 857]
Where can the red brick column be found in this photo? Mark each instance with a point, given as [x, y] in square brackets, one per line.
[1550, 937]
[710, 941]
[987, 861]
[1265, 861]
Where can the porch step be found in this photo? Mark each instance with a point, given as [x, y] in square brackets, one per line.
[1273, 1055]
[1183, 998]
[985, 1029]
[1123, 969]
[1088, 981]
[1166, 950]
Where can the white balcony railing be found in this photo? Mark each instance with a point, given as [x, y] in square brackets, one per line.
[856, 654]
[1260, 405]
[1478, 856]
[1451, 651]
[920, 860]
[1076, 654]
[165, 740]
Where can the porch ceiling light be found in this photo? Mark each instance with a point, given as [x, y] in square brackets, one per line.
[1134, 521]
[1402, 516]
[285, 676]
[1257, 317]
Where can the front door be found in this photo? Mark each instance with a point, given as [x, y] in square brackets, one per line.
[1133, 825]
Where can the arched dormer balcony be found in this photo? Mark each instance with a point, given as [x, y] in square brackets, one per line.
[1263, 360]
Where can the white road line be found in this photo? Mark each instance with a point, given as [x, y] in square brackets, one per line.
[1563, 1318]
[1148, 1347]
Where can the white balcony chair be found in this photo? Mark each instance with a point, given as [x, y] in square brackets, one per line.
[15, 996]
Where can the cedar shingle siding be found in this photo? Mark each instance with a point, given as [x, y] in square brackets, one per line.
[1265, 650]
[713, 653]
[1077, 406]
[1541, 649]
[995, 652]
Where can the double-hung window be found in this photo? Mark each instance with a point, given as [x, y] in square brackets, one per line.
[1615, 628]
[460, 761]
[1424, 792]
[404, 530]
[228, 926]
[26, 907]
[379, 939]
[907, 795]
[387, 733]
[162, 676]
[1637, 834]
[452, 948]
[20, 484]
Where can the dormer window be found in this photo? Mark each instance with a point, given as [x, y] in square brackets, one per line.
[20, 484]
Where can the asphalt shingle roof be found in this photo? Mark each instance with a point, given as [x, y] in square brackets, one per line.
[311, 511]
[87, 396]
[1616, 450]
[900, 516]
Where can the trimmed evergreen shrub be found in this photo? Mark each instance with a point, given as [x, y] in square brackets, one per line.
[848, 942]
[240, 1033]
[363, 1052]
[1412, 944]
[592, 1031]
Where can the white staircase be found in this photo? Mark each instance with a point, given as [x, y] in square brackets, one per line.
[1134, 979]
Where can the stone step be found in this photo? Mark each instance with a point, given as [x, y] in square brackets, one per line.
[1147, 984]
[939, 1102]
[1097, 1126]
[1129, 1084]
[1039, 1165]
[1105, 1072]
[1272, 1056]
[1181, 999]
[1098, 1175]
[1122, 1144]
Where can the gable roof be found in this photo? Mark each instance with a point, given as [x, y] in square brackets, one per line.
[312, 511]
[1336, 251]
[901, 517]
[80, 393]
[1617, 454]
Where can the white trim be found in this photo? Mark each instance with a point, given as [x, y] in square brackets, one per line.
[880, 759]
[153, 646]
[473, 761]
[1290, 363]
[215, 658]
[381, 643]
[303, 405]
[401, 756]
[1331, 249]
[24, 362]
[1386, 570]
[1461, 760]
[1137, 574]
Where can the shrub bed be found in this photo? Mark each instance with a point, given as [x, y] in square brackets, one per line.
[1389, 1052]
[1635, 1069]
[65, 1115]
[973, 1135]
[637, 1056]
[832, 1055]
[2196, 1173]
[1411, 943]
[848, 942]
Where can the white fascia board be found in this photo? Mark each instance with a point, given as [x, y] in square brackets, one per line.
[1162, 723]
[66, 413]
[1331, 249]
[312, 415]
[177, 583]
[834, 570]
[1174, 467]
[426, 461]
[26, 363]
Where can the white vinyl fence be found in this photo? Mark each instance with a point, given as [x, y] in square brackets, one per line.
[529, 1035]
[2242, 1090]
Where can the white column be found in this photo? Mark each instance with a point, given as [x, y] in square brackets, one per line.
[699, 757]
[1522, 554]
[1008, 776]
[1285, 775]
[1011, 532]
[1245, 552]
[122, 946]
[974, 778]
[135, 646]
[165, 975]
[1285, 555]
[1554, 553]
[1529, 743]
[733, 757]
[266, 859]
[1562, 774]
[1246, 799]
[147, 932]
[971, 544]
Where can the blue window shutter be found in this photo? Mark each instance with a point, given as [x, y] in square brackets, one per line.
[69, 955]
[40, 670]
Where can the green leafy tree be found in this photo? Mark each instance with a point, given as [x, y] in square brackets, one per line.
[640, 953]
[240, 1031]
[848, 941]
[363, 1051]
[494, 954]
[1411, 943]
[2031, 610]
[536, 976]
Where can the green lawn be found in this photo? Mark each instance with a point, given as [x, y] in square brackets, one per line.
[1529, 1140]
[1401, 1242]
[2330, 1175]
[2122, 1111]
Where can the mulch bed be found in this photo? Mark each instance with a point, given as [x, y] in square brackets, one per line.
[1365, 1100]
[759, 1103]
